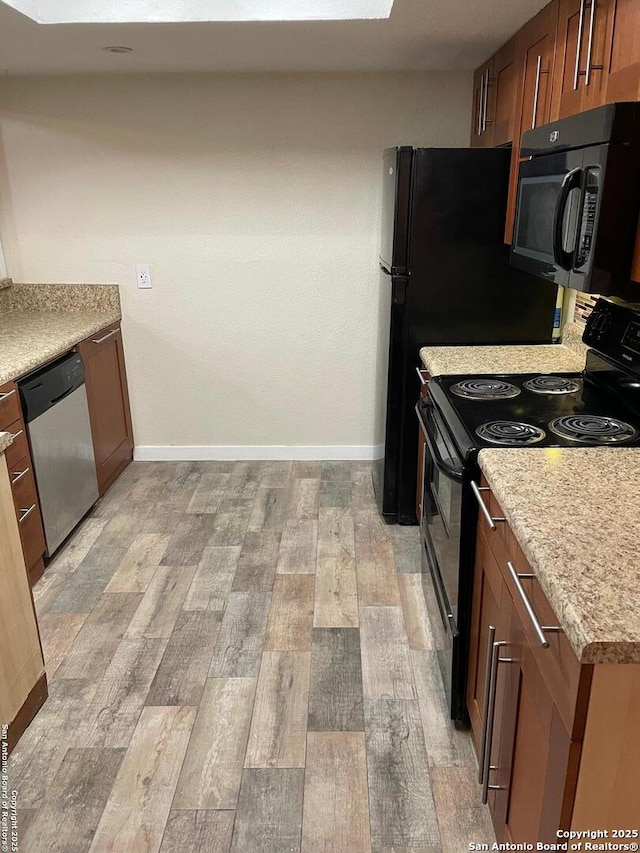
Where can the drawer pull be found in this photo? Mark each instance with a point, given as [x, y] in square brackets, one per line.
[18, 475]
[17, 434]
[490, 690]
[4, 396]
[25, 513]
[423, 381]
[491, 520]
[104, 337]
[537, 627]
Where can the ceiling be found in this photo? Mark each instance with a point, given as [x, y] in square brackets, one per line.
[418, 35]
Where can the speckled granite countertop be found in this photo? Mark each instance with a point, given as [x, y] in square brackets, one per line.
[576, 515]
[39, 322]
[5, 440]
[567, 357]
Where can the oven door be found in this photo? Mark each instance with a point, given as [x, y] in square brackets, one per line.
[549, 213]
[440, 527]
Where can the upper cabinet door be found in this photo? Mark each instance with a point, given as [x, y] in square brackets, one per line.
[536, 43]
[622, 56]
[502, 96]
[567, 82]
[583, 51]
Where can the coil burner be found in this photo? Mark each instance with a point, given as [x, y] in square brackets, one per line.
[511, 433]
[553, 385]
[484, 389]
[593, 429]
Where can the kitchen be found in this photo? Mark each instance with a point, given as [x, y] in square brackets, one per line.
[235, 602]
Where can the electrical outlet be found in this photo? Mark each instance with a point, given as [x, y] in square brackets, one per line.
[143, 275]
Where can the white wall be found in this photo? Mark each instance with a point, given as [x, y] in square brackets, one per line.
[255, 199]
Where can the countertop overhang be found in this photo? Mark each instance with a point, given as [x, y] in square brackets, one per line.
[29, 339]
[576, 515]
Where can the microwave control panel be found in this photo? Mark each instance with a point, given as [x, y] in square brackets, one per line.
[589, 211]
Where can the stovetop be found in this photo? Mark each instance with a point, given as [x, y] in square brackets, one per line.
[533, 410]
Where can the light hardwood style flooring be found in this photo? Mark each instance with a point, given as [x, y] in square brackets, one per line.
[240, 659]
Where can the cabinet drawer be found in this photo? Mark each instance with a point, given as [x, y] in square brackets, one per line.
[563, 673]
[25, 499]
[20, 447]
[9, 405]
[23, 485]
[32, 538]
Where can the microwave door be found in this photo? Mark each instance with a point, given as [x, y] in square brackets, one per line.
[546, 209]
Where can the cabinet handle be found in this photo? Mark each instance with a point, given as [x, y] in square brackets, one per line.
[485, 703]
[480, 105]
[486, 101]
[590, 67]
[105, 337]
[18, 475]
[423, 381]
[16, 434]
[25, 513]
[493, 653]
[4, 396]
[536, 94]
[576, 71]
[491, 520]
[487, 120]
[539, 629]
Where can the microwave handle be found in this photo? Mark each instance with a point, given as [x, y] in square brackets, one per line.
[572, 180]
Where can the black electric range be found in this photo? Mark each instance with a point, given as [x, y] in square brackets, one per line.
[461, 415]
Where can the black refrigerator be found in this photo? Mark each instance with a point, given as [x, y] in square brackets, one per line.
[445, 280]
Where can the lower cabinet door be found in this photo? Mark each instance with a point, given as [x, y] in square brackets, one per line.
[544, 765]
[108, 400]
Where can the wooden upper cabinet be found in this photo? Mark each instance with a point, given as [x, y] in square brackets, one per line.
[567, 83]
[108, 399]
[481, 129]
[622, 55]
[536, 44]
[502, 95]
[580, 78]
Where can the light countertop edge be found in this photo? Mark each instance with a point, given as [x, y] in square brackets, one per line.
[31, 339]
[598, 610]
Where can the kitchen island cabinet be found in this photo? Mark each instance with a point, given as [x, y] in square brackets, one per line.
[108, 399]
[23, 682]
[554, 730]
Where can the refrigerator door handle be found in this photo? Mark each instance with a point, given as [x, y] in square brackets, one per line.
[398, 290]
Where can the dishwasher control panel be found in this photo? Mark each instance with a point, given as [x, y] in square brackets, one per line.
[51, 384]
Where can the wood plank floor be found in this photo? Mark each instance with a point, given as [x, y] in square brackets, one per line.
[240, 660]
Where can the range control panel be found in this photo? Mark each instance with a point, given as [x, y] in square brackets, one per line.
[613, 328]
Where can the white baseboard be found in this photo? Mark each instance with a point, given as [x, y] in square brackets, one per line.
[197, 453]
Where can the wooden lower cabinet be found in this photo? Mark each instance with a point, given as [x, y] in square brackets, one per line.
[22, 482]
[23, 682]
[108, 399]
[556, 738]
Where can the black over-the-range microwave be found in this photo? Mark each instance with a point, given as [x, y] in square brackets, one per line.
[578, 199]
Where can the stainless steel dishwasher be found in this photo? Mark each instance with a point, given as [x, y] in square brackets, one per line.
[57, 417]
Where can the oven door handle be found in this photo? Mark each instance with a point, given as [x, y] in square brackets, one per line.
[438, 461]
[572, 180]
